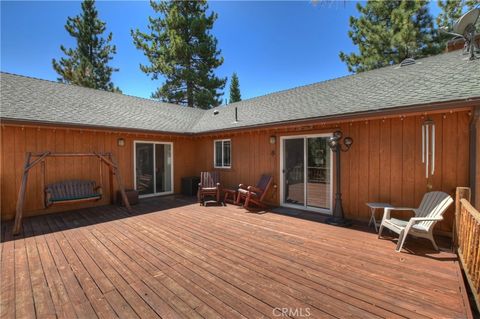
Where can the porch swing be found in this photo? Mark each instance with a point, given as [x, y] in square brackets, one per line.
[68, 191]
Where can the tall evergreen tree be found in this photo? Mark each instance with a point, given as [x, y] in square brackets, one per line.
[180, 48]
[87, 64]
[387, 32]
[452, 10]
[235, 95]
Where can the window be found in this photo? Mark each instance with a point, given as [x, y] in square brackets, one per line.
[223, 152]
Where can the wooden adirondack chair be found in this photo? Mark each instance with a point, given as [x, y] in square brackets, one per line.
[431, 209]
[254, 194]
[209, 186]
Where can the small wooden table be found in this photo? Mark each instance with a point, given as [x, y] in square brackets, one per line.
[230, 195]
[373, 208]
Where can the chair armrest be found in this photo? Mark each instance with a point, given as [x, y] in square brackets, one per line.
[400, 208]
[254, 189]
[421, 219]
[387, 210]
[415, 220]
[48, 196]
[99, 190]
[242, 186]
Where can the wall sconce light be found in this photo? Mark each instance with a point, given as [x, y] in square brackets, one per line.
[273, 139]
[121, 142]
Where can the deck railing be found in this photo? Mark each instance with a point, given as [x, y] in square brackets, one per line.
[467, 239]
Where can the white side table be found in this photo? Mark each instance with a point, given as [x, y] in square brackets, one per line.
[373, 208]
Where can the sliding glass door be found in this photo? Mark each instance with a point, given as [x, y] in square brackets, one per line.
[307, 173]
[294, 171]
[153, 168]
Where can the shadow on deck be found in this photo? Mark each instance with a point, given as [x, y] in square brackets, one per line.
[174, 258]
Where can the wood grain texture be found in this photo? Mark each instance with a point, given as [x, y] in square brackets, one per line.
[477, 157]
[173, 258]
[384, 163]
[17, 140]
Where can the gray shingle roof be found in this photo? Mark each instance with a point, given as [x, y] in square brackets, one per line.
[444, 77]
[24, 98]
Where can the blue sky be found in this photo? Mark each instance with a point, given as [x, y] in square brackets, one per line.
[271, 45]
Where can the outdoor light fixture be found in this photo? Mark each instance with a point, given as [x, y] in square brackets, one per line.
[336, 145]
[121, 141]
[273, 139]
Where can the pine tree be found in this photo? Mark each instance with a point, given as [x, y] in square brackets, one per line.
[87, 64]
[452, 10]
[387, 32]
[180, 48]
[235, 95]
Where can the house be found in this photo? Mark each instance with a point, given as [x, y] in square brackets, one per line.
[284, 134]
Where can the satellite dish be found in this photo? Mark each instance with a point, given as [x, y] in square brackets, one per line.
[465, 27]
[465, 22]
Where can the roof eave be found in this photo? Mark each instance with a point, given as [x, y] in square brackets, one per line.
[408, 109]
[16, 121]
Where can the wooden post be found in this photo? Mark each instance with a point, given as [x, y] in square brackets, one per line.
[21, 195]
[110, 184]
[476, 160]
[461, 193]
[43, 182]
[116, 172]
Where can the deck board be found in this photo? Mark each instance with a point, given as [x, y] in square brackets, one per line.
[176, 259]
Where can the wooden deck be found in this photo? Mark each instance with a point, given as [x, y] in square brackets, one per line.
[175, 259]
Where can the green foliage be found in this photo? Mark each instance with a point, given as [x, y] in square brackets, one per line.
[180, 48]
[387, 32]
[87, 64]
[235, 95]
[452, 10]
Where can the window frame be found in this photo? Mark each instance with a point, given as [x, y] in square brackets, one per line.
[223, 155]
[135, 142]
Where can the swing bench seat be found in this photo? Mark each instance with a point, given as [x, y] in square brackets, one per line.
[72, 191]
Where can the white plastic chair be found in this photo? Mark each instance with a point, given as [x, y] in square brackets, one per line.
[431, 209]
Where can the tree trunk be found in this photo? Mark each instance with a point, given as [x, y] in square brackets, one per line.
[190, 94]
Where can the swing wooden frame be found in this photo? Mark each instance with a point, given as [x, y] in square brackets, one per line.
[32, 159]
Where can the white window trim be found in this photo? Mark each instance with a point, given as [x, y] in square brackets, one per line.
[282, 176]
[135, 142]
[215, 153]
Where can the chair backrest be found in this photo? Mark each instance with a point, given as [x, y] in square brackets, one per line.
[72, 189]
[209, 179]
[263, 184]
[433, 204]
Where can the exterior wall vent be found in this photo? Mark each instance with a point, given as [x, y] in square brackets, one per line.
[407, 61]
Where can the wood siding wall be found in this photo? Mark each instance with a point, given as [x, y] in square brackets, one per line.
[476, 158]
[16, 140]
[384, 163]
